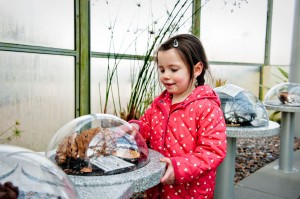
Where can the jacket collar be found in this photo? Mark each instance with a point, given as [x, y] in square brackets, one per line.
[200, 92]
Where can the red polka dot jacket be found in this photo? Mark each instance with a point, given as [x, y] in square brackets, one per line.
[192, 134]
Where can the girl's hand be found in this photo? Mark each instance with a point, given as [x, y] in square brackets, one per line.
[169, 177]
[136, 126]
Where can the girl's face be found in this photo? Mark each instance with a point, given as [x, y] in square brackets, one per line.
[174, 74]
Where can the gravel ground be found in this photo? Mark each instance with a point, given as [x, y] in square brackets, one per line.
[252, 154]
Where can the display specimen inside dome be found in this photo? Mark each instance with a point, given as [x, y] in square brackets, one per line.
[241, 107]
[284, 94]
[27, 174]
[98, 144]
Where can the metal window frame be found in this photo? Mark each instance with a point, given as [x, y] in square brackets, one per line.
[83, 54]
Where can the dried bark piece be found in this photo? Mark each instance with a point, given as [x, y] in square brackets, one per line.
[86, 170]
[64, 149]
[75, 145]
[127, 153]
[83, 140]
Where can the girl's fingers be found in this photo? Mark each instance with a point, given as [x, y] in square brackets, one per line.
[166, 177]
[169, 177]
[166, 160]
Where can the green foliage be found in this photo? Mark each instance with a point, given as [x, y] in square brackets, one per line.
[275, 116]
[11, 133]
[284, 74]
[144, 82]
[217, 82]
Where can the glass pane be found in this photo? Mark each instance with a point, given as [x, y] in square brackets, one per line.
[121, 84]
[37, 90]
[99, 78]
[235, 31]
[282, 28]
[248, 76]
[129, 27]
[48, 23]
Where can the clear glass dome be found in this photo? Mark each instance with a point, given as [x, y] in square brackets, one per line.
[241, 107]
[27, 174]
[284, 94]
[98, 144]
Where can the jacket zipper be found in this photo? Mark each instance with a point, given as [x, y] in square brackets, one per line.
[166, 120]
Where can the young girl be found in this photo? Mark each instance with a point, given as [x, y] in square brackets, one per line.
[185, 123]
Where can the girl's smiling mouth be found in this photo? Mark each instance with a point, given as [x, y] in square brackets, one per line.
[167, 85]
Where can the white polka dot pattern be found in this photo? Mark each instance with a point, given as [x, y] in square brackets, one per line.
[192, 134]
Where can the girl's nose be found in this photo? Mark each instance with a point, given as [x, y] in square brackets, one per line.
[166, 75]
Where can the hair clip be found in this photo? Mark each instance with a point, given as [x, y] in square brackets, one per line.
[175, 44]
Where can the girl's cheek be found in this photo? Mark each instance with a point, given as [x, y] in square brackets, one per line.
[159, 78]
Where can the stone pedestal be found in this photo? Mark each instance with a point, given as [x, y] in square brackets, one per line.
[287, 134]
[225, 174]
[121, 186]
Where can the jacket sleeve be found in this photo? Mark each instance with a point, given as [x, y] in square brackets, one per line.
[210, 150]
[144, 123]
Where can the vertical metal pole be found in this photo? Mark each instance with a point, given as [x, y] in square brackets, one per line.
[267, 46]
[196, 18]
[225, 173]
[294, 70]
[286, 142]
[84, 57]
[268, 33]
[77, 59]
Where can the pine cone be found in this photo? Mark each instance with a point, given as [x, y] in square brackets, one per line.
[8, 191]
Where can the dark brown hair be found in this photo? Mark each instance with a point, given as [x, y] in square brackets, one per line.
[191, 51]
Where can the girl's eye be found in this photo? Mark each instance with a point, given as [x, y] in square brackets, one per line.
[161, 70]
[174, 70]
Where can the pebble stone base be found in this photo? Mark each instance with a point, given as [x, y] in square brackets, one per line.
[253, 132]
[283, 108]
[121, 185]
